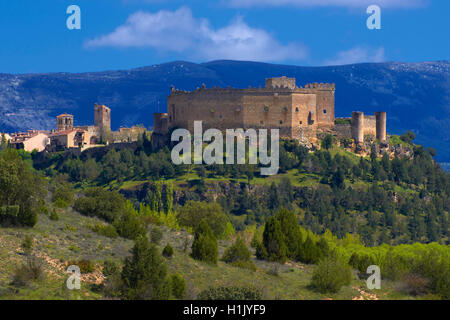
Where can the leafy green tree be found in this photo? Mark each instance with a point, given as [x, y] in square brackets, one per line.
[193, 212]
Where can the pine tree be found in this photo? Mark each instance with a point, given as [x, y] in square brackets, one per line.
[273, 240]
[205, 247]
[145, 273]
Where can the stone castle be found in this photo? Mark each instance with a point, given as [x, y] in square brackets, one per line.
[302, 113]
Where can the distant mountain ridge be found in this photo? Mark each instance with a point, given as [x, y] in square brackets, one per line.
[416, 96]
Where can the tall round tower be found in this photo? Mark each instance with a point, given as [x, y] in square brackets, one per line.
[381, 125]
[64, 122]
[358, 126]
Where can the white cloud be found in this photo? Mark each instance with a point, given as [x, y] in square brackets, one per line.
[178, 31]
[325, 3]
[357, 55]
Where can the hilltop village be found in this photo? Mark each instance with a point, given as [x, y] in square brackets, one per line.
[68, 136]
[306, 114]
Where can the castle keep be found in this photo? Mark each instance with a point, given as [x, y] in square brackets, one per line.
[301, 113]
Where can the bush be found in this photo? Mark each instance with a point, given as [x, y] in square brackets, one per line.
[236, 252]
[129, 225]
[261, 252]
[244, 265]
[156, 235]
[105, 230]
[178, 285]
[60, 203]
[31, 270]
[110, 268]
[54, 215]
[330, 275]
[27, 244]
[230, 293]
[205, 246]
[168, 251]
[86, 266]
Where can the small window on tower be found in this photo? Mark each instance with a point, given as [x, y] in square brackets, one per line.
[281, 122]
[301, 122]
[296, 109]
[324, 111]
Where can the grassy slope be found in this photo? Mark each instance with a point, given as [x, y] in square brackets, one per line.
[58, 242]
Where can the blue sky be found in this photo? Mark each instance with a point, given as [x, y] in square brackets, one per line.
[121, 34]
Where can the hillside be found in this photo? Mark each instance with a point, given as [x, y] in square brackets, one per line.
[415, 95]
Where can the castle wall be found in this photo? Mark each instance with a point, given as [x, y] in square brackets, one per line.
[304, 119]
[325, 107]
[217, 108]
[268, 110]
[370, 126]
[343, 131]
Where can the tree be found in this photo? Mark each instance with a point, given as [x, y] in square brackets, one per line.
[327, 142]
[292, 236]
[193, 212]
[273, 240]
[205, 247]
[145, 273]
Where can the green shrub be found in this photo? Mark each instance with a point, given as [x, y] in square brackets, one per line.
[230, 293]
[54, 215]
[61, 204]
[105, 230]
[178, 285]
[168, 251]
[205, 247]
[129, 225]
[156, 235]
[110, 268]
[244, 265]
[261, 252]
[27, 243]
[238, 251]
[330, 275]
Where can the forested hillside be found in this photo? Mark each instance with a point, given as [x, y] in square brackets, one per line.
[155, 230]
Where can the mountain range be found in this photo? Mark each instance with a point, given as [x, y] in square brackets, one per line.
[416, 96]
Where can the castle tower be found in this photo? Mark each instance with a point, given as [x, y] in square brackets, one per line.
[102, 117]
[358, 126]
[381, 125]
[161, 123]
[64, 122]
